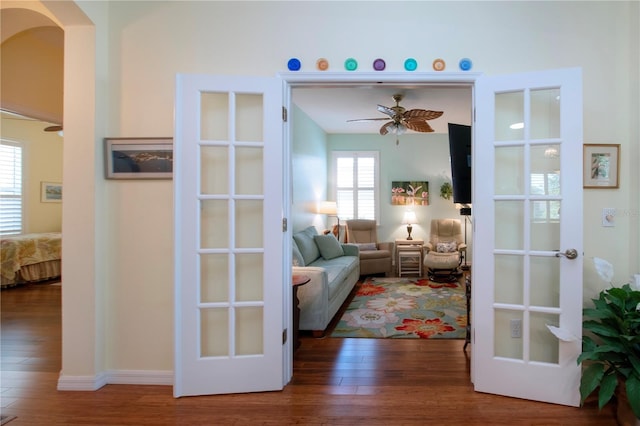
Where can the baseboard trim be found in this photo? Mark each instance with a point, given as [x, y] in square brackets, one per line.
[115, 377]
[81, 383]
[140, 377]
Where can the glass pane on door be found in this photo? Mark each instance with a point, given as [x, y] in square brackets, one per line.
[545, 113]
[231, 224]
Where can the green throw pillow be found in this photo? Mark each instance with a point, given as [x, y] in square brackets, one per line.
[329, 246]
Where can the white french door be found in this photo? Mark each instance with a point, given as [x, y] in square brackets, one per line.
[228, 235]
[527, 271]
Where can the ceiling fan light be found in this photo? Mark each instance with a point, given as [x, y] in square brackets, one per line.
[401, 129]
[389, 128]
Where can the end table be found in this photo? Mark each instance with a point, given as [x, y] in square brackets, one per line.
[297, 281]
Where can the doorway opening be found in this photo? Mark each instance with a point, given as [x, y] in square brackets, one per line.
[326, 101]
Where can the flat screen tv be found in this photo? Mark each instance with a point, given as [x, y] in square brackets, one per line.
[460, 152]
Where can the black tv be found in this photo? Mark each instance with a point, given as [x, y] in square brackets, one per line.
[460, 152]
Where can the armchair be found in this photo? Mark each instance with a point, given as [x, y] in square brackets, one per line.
[445, 250]
[375, 257]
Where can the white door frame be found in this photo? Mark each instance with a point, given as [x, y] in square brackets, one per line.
[313, 79]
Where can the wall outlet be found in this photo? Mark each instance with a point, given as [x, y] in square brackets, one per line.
[516, 328]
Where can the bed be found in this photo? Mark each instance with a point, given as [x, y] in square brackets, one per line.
[30, 258]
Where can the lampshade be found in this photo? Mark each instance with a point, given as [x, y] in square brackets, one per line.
[409, 218]
[328, 208]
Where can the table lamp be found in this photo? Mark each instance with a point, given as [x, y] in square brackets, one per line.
[409, 219]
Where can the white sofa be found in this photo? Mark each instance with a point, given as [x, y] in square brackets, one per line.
[334, 269]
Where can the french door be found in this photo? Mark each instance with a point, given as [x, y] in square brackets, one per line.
[228, 235]
[527, 271]
[229, 191]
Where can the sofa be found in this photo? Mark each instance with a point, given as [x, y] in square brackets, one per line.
[334, 269]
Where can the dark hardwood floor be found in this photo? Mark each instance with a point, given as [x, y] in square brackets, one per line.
[336, 382]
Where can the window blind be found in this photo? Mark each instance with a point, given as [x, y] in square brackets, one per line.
[10, 188]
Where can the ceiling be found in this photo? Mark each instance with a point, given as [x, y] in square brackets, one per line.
[331, 107]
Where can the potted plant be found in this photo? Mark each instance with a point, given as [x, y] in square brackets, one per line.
[611, 354]
[446, 190]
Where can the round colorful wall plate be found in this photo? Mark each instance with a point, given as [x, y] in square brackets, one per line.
[439, 65]
[294, 64]
[379, 64]
[322, 64]
[410, 64]
[350, 64]
[465, 64]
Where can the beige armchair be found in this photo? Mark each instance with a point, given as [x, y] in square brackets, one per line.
[445, 250]
[375, 257]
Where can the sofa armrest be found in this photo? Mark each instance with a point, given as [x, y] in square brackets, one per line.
[350, 249]
[313, 296]
[428, 247]
[386, 246]
[462, 247]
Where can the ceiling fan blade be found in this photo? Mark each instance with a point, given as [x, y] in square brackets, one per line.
[386, 127]
[368, 119]
[386, 110]
[419, 126]
[422, 113]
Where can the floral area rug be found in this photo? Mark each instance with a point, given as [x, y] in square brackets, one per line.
[405, 308]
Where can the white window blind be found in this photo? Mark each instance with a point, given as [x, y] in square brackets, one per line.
[356, 184]
[10, 188]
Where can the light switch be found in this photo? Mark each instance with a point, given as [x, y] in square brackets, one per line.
[608, 217]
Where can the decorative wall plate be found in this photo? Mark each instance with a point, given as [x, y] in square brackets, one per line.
[322, 64]
[294, 64]
[350, 64]
[410, 64]
[439, 65]
[465, 64]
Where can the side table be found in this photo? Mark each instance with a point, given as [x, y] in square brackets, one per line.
[297, 281]
[409, 257]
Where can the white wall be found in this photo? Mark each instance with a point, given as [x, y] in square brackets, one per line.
[308, 172]
[149, 42]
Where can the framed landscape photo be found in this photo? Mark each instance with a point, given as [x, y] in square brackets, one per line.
[50, 192]
[138, 158]
[601, 166]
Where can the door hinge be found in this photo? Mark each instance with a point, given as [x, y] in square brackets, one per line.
[284, 224]
[284, 336]
[284, 114]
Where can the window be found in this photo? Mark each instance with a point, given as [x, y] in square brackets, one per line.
[355, 177]
[10, 188]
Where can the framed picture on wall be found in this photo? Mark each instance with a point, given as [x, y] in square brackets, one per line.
[601, 165]
[411, 193]
[138, 158]
[50, 192]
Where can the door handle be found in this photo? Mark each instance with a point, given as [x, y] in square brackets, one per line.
[569, 254]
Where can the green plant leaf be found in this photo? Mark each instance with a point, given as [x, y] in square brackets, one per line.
[600, 329]
[598, 313]
[633, 393]
[607, 388]
[590, 380]
[635, 363]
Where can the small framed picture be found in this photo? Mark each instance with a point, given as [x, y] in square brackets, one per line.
[138, 158]
[50, 192]
[601, 165]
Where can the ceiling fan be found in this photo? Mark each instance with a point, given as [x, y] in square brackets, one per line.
[56, 128]
[403, 119]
